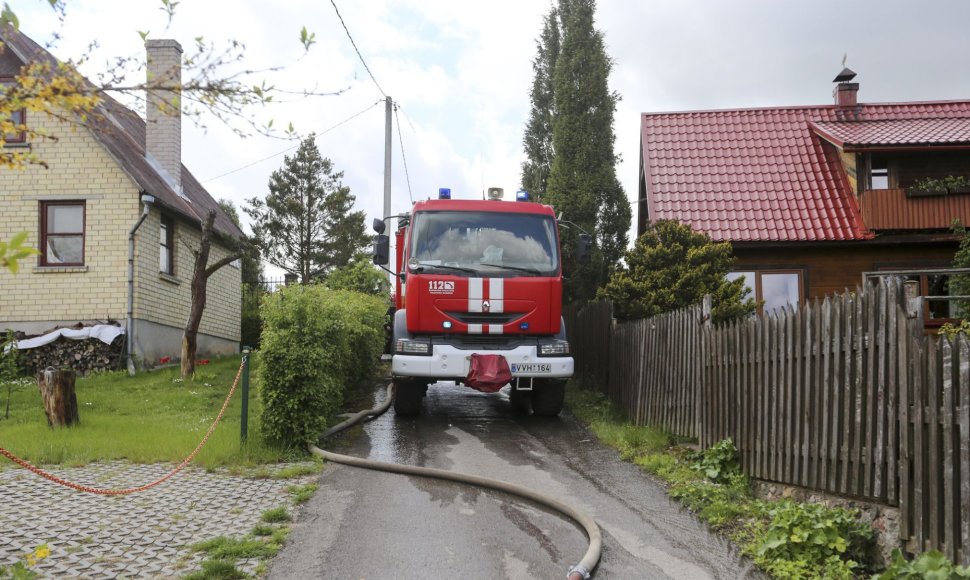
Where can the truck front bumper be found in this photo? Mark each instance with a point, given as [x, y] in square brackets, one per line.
[447, 362]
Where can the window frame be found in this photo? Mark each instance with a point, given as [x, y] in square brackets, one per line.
[21, 137]
[168, 222]
[757, 286]
[44, 234]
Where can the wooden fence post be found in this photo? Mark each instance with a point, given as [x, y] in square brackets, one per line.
[60, 401]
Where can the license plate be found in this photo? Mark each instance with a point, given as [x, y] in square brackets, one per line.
[518, 368]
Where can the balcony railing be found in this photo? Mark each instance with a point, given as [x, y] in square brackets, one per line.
[890, 209]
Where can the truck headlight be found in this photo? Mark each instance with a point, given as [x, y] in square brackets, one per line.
[405, 346]
[558, 348]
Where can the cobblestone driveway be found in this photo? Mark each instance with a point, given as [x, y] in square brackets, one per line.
[140, 535]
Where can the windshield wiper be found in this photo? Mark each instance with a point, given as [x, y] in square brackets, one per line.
[516, 268]
[421, 268]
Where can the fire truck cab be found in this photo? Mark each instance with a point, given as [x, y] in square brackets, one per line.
[478, 277]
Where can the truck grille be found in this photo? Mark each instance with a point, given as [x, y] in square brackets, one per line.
[485, 317]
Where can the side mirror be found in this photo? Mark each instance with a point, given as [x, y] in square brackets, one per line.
[379, 225]
[584, 248]
[382, 250]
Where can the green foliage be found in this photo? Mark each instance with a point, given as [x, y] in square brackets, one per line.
[788, 540]
[960, 283]
[302, 493]
[537, 141]
[951, 330]
[316, 343]
[582, 180]
[942, 185]
[810, 533]
[360, 276]
[932, 565]
[13, 251]
[276, 515]
[217, 570]
[305, 225]
[672, 267]
[719, 462]
[149, 418]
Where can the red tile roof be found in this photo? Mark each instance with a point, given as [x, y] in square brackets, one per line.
[766, 174]
[890, 133]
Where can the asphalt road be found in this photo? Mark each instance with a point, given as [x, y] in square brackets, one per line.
[370, 525]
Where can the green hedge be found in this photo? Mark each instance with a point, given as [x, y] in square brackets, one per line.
[315, 344]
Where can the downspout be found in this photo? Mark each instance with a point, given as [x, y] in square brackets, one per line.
[146, 200]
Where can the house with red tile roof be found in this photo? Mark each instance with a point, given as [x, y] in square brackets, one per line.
[116, 217]
[812, 197]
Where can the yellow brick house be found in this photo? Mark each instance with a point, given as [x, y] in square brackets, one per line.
[84, 212]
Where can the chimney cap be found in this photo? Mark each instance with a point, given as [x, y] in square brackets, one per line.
[845, 76]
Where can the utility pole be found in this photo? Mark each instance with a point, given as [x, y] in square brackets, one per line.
[387, 158]
[387, 173]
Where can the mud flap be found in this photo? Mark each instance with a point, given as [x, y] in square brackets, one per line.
[488, 372]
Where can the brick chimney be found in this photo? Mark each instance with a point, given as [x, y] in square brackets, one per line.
[845, 94]
[163, 139]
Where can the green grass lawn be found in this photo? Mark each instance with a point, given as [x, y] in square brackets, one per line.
[152, 417]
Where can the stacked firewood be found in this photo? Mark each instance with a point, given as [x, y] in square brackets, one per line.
[83, 356]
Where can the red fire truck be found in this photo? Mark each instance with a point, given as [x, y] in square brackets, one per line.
[479, 300]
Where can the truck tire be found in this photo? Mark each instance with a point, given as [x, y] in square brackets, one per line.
[548, 396]
[408, 396]
[521, 400]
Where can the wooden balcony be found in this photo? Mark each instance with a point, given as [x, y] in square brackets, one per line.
[890, 209]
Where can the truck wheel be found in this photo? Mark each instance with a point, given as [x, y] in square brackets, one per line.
[547, 397]
[407, 397]
[521, 400]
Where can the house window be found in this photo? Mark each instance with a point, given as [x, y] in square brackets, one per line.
[166, 249]
[18, 117]
[62, 233]
[878, 173]
[775, 288]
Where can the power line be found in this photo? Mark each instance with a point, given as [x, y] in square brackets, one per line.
[277, 154]
[403, 157]
[367, 68]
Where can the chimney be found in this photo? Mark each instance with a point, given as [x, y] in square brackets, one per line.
[845, 92]
[163, 138]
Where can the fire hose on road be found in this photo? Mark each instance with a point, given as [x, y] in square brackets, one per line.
[579, 571]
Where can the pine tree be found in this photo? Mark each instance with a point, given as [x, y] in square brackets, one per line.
[538, 134]
[306, 226]
[582, 181]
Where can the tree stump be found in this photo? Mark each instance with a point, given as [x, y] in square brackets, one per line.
[60, 400]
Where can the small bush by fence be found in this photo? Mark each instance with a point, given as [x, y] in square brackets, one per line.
[845, 395]
[316, 342]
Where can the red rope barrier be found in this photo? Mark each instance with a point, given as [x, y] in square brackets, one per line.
[103, 491]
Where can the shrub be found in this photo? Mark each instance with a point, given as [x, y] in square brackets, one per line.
[931, 564]
[799, 536]
[316, 342]
[719, 462]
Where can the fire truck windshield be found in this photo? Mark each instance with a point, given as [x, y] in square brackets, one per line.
[475, 243]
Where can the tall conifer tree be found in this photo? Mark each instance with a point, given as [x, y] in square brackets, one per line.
[582, 181]
[538, 132]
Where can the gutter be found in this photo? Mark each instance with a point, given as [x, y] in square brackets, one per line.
[147, 201]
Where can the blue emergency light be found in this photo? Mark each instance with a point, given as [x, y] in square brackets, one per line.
[522, 195]
[444, 193]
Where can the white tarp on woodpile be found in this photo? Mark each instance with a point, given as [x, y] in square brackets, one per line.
[106, 333]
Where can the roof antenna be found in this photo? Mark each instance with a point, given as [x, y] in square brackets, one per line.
[481, 166]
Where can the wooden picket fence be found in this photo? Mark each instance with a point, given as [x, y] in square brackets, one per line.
[845, 396]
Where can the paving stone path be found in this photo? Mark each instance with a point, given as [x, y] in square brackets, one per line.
[145, 534]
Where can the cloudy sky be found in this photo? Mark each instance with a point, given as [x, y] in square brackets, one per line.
[461, 71]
